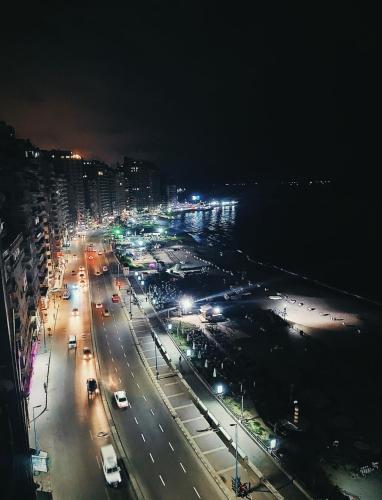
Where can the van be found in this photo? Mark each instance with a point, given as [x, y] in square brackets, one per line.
[72, 343]
[110, 465]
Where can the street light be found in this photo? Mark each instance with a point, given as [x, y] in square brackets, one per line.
[156, 356]
[34, 428]
[237, 479]
[186, 304]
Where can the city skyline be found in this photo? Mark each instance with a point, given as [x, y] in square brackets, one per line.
[189, 239]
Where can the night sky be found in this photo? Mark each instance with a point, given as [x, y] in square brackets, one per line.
[205, 88]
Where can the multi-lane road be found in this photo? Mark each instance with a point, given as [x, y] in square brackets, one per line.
[163, 463]
[160, 462]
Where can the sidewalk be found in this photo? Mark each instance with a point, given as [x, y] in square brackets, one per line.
[38, 399]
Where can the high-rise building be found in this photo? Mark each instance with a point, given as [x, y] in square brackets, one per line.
[71, 166]
[16, 468]
[142, 184]
[100, 198]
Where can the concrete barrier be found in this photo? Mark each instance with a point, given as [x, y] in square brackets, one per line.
[212, 419]
[227, 438]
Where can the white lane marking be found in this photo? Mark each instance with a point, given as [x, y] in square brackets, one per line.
[122, 346]
[160, 427]
[184, 470]
[138, 385]
[161, 478]
[192, 419]
[109, 350]
[176, 394]
[168, 383]
[132, 374]
[144, 397]
[99, 465]
[196, 491]
[119, 338]
[152, 411]
[151, 458]
[128, 364]
[172, 448]
[124, 354]
[112, 359]
[115, 368]
[183, 406]
[120, 381]
[91, 434]
[143, 437]
[136, 421]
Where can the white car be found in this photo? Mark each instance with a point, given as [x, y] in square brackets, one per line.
[98, 305]
[90, 257]
[81, 268]
[106, 312]
[104, 269]
[99, 252]
[121, 399]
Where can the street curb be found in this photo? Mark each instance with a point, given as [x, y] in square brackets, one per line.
[115, 435]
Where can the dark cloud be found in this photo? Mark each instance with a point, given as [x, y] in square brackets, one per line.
[274, 89]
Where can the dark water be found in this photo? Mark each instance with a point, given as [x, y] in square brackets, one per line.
[327, 232]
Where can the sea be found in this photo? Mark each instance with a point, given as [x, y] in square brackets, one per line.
[327, 231]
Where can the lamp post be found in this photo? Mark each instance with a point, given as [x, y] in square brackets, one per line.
[237, 479]
[242, 400]
[34, 428]
[156, 356]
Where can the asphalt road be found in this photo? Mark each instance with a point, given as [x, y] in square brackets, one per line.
[162, 461]
[69, 429]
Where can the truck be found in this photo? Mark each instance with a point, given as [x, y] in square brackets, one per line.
[110, 466]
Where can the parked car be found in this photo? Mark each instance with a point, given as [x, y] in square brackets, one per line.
[98, 305]
[106, 312]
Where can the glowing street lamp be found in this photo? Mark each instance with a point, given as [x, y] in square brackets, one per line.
[186, 304]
